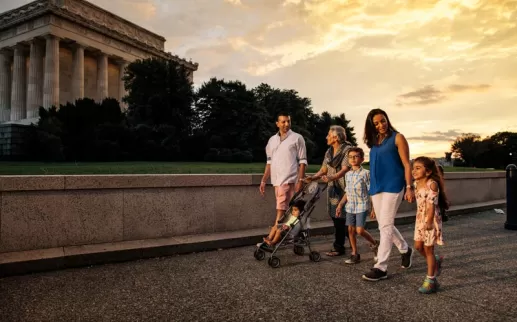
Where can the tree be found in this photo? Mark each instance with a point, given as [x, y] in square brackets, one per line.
[344, 122]
[273, 101]
[233, 124]
[467, 147]
[80, 131]
[160, 107]
[497, 151]
[320, 126]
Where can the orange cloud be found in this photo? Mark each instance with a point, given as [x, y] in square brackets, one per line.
[430, 95]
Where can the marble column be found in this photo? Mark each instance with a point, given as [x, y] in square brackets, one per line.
[51, 82]
[18, 90]
[102, 77]
[5, 86]
[78, 72]
[35, 87]
[121, 88]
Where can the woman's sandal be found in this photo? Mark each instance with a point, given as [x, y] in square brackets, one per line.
[334, 253]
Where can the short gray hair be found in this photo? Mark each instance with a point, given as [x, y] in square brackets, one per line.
[339, 132]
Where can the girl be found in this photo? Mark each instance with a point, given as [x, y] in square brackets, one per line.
[430, 196]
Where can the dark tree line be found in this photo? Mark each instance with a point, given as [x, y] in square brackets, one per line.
[168, 120]
[496, 151]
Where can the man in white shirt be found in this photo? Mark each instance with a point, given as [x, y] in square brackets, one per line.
[286, 163]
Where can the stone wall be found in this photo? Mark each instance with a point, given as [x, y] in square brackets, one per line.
[51, 211]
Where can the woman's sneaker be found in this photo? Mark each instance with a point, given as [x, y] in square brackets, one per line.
[354, 259]
[429, 286]
[375, 275]
[407, 258]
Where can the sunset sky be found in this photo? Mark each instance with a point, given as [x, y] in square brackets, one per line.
[439, 68]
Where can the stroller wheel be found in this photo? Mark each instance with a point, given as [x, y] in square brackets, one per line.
[274, 262]
[299, 250]
[259, 255]
[315, 256]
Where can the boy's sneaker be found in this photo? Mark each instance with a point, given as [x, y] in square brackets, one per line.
[374, 248]
[354, 259]
[429, 286]
[407, 258]
[375, 275]
[439, 262]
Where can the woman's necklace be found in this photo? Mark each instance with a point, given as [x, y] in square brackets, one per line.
[381, 138]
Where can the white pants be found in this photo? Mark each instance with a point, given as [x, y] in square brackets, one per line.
[386, 205]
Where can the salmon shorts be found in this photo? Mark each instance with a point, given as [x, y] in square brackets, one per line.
[283, 195]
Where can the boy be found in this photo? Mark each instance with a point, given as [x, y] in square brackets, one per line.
[276, 231]
[357, 203]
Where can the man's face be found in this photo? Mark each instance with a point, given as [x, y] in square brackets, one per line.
[283, 123]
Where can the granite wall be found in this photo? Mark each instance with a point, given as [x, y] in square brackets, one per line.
[38, 212]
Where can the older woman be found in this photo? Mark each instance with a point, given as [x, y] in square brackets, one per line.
[333, 170]
[390, 181]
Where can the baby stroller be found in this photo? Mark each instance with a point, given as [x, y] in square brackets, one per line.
[310, 194]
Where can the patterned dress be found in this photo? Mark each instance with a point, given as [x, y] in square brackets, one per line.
[336, 189]
[426, 197]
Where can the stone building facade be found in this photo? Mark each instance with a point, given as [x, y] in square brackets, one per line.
[56, 51]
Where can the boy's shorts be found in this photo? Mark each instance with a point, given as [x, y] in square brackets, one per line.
[283, 195]
[357, 220]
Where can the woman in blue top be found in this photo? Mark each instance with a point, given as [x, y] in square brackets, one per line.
[390, 180]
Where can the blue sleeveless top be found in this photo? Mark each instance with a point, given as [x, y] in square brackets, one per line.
[386, 168]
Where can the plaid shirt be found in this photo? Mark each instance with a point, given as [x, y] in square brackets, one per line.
[357, 186]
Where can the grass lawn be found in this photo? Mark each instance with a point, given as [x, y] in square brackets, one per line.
[40, 168]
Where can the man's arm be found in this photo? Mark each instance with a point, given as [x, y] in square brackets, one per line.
[267, 170]
[302, 157]
[302, 162]
[267, 173]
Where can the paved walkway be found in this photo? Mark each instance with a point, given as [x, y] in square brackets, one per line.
[479, 283]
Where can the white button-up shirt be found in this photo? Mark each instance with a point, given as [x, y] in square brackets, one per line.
[285, 156]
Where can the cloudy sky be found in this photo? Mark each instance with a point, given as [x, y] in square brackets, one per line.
[438, 67]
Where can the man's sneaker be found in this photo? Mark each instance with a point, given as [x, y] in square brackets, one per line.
[375, 275]
[354, 259]
[374, 248]
[429, 286]
[439, 262]
[407, 258]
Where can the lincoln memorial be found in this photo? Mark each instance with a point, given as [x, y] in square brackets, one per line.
[56, 51]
